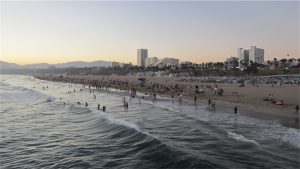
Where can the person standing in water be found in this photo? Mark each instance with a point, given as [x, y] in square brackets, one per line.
[180, 98]
[103, 108]
[86, 104]
[195, 99]
[235, 110]
[209, 101]
[297, 108]
[98, 106]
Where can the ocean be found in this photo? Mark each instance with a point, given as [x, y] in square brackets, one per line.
[39, 131]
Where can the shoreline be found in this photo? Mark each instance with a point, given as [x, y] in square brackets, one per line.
[249, 106]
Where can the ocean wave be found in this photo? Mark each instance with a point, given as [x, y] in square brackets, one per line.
[112, 119]
[240, 138]
[4, 84]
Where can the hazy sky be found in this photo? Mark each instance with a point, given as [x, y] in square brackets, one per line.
[56, 32]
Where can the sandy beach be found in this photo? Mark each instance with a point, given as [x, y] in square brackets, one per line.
[248, 99]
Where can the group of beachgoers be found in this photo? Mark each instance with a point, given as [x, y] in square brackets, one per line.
[150, 89]
[273, 100]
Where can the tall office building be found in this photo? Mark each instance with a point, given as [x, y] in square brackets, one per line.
[243, 56]
[256, 55]
[142, 55]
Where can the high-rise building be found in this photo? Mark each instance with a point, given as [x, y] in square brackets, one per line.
[243, 56]
[142, 55]
[256, 55]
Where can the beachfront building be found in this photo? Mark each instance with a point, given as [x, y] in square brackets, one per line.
[256, 55]
[231, 63]
[151, 61]
[185, 64]
[115, 64]
[167, 62]
[142, 55]
[243, 56]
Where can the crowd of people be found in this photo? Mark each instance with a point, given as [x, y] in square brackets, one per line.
[152, 87]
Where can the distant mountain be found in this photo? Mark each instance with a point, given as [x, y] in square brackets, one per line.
[36, 66]
[79, 64]
[6, 65]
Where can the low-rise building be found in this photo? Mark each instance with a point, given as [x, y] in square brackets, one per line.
[232, 62]
[115, 64]
[167, 62]
[151, 61]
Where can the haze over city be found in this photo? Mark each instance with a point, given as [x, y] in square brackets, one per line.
[57, 32]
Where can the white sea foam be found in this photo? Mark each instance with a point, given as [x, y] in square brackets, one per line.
[114, 120]
[240, 138]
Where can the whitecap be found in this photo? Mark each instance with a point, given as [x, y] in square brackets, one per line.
[114, 120]
[240, 138]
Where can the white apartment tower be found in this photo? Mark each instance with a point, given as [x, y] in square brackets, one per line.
[243, 56]
[256, 55]
[142, 55]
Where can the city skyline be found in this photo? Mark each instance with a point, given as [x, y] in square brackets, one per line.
[112, 31]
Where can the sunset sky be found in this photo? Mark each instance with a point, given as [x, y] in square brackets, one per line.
[56, 32]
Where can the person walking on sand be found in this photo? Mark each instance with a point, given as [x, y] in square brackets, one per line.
[235, 110]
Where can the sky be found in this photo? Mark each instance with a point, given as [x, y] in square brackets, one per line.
[63, 31]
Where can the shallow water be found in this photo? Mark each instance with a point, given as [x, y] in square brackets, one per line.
[38, 131]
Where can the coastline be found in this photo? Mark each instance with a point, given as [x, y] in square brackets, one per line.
[250, 105]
